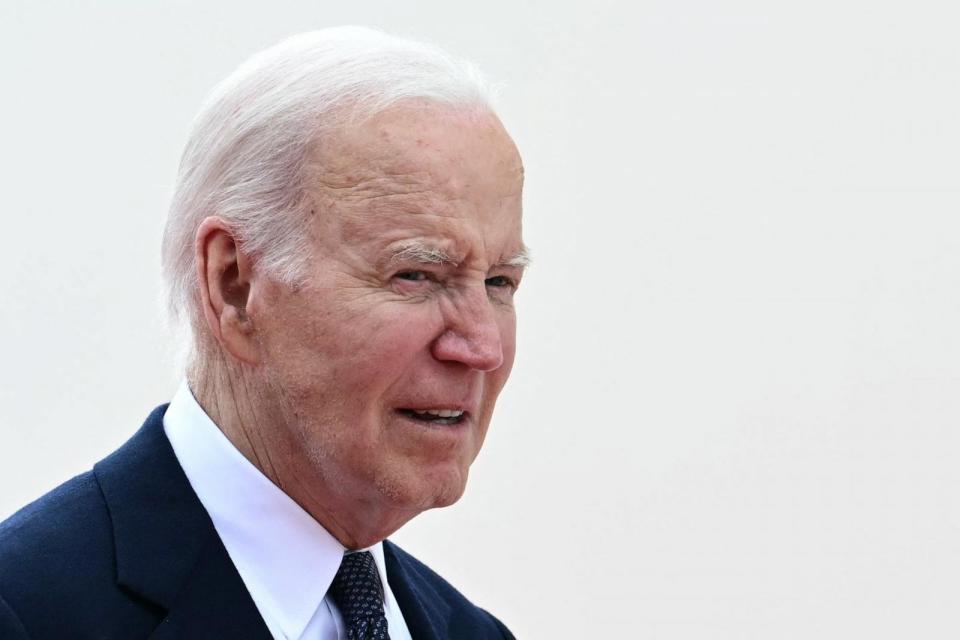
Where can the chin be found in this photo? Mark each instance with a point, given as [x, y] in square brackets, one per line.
[440, 488]
[449, 497]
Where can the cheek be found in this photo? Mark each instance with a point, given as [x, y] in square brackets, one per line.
[385, 346]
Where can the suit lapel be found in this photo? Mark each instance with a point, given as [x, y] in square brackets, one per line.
[213, 603]
[432, 609]
[167, 550]
[425, 616]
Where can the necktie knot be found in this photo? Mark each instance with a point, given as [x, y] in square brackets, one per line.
[358, 594]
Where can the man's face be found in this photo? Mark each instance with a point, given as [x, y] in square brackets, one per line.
[390, 357]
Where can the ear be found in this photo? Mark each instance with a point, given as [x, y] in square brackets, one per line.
[224, 275]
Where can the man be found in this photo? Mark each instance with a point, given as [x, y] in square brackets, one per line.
[343, 246]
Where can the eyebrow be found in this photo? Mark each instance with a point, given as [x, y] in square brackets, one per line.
[426, 254]
[520, 259]
[419, 252]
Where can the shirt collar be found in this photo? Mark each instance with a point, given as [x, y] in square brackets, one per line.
[286, 559]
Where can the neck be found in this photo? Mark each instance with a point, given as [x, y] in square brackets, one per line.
[255, 421]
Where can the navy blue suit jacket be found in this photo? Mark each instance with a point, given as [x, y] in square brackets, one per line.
[127, 551]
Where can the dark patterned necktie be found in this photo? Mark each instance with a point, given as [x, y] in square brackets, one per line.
[357, 592]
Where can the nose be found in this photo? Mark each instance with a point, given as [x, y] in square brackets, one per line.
[471, 335]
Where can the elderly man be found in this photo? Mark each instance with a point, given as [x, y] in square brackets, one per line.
[343, 247]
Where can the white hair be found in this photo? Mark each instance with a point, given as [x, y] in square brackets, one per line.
[246, 156]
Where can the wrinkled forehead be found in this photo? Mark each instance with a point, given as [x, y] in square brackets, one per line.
[420, 146]
[424, 172]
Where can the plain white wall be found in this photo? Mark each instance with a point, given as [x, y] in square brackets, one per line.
[734, 411]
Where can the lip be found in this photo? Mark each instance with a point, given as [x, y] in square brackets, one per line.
[468, 403]
[460, 426]
[438, 407]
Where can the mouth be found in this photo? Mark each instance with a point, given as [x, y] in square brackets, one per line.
[435, 416]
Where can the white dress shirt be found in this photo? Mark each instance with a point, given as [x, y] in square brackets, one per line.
[286, 559]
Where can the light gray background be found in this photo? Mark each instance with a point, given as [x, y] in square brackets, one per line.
[734, 410]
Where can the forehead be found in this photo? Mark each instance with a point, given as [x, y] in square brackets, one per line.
[466, 145]
[421, 170]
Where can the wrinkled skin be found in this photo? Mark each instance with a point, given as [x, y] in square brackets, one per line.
[330, 369]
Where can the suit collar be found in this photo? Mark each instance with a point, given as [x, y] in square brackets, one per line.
[167, 550]
[159, 526]
[213, 603]
[432, 609]
[423, 614]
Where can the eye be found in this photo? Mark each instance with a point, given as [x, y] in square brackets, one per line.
[412, 276]
[501, 282]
